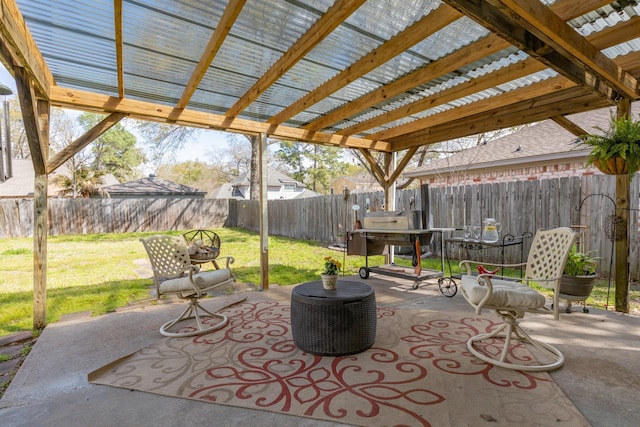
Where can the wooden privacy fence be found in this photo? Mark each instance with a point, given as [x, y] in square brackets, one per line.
[88, 216]
[520, 207]
[525, 206]
[586, 201]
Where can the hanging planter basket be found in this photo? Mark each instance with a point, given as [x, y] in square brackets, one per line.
[612, 166]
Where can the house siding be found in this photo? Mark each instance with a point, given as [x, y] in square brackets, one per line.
[526, 173]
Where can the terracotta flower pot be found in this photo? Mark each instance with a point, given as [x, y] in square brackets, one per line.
[613, 166]
[329, 281]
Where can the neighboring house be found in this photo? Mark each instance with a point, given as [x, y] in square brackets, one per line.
[222, 192]
[364, 183]
[279, 186]
[153, 187]
[21, 184]
[543, 150]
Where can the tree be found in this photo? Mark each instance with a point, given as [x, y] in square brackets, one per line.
[312, 164]
[239, 158]
[19, 143]
[82, 182]
[162, 140]
[195, 174]
[115, 150]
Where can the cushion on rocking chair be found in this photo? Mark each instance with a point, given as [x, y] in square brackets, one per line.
[203, 280]
[506, 293]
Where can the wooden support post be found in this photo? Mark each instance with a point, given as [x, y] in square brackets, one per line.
[264, 214]
[388, 190]
[40, 227]
[35, 116]
[622, 246]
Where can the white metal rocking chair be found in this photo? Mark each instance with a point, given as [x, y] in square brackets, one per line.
[511, 298]
[174, 273]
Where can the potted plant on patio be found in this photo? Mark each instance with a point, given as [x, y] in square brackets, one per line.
[579, 273]
[330, 274]
[617, 150]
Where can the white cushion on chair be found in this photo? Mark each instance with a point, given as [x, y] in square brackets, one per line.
[506, 293]
[202, 280]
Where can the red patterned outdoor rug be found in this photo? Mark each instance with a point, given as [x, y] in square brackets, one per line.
[418, 373]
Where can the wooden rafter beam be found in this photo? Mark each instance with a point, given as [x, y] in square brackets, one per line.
[601, 40]
[569, 125]
[231, 12]
[70, 150]
[86, 101]
[630, 62]
[328, 22]
[475, 51]
[537, 30]
[527, 93]
[403, 163]
[19, 48]
[478, 84]
[376, 170]
[117, 17]
[30, 118]
[412, 35]
[564, 102]
[568, 9]
[610, 36]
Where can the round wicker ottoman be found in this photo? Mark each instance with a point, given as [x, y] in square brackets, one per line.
[333, 323]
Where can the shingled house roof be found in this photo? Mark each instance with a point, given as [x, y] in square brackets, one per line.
[274, 178]
[22, 182]
[152, 187]
[542, 142]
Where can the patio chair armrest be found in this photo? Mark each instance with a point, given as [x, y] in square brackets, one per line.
[228, 260]
[467, 264]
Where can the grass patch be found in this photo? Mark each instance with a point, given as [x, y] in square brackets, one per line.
[17, 251]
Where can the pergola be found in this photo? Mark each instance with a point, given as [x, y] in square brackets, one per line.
[379, 76]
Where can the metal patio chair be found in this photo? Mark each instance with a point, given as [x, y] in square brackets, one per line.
[175, 274]
[511, 298]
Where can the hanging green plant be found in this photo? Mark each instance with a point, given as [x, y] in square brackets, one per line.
[617, 150]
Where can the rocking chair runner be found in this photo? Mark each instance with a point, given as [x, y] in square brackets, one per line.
[511, 298]
[173, 273]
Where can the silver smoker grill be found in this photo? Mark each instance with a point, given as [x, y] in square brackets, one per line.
[401, 228]
[381, 229]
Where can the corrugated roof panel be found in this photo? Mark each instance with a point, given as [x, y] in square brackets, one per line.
[444, 40]
[143, 88]
[623, 48]
[607, 15]
[157, 30]
[260, 36]
[344, 46]
[163, 79]
[436, 85]
[386, 18]
[451, 38]
[80, 56]
[84, 77]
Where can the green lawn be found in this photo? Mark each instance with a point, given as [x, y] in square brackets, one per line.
[101, 272]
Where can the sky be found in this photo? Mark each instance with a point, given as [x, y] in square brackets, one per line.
[194, 150]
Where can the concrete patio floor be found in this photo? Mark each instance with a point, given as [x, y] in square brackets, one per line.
[601, 374]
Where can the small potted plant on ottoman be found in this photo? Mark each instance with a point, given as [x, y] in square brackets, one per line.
[330, 274]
